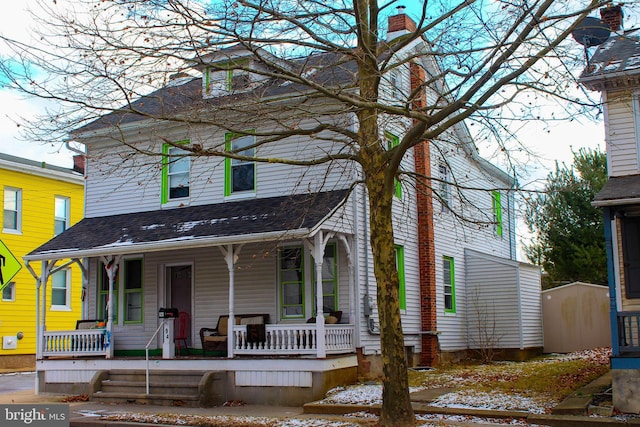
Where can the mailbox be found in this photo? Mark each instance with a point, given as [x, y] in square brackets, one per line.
[167, 313]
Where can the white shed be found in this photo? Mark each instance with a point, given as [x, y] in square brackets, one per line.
[503, 302]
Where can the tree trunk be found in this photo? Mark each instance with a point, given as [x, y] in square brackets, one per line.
[379, 179]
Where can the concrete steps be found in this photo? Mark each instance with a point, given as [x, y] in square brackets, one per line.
[166, 388]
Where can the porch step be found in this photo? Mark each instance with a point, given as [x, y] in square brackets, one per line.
[166, 388]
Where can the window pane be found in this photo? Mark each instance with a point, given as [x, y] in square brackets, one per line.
[133, 274]
[291, 276]
[178, 173]
[292, 294]
[59, 288]
[293, 311]
[11, 208]
[10, 221]
[243, 171]
[8, 292]
[134, 306]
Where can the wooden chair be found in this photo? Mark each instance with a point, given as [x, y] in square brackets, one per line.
[182, 331]
[215, 339]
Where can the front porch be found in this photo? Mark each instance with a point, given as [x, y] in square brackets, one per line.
[255, 380]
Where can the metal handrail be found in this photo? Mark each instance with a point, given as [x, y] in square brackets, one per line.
[146, 354]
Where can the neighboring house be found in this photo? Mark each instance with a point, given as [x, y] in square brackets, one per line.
[613, 70]
[214, 237]
[576, 317]
[39, 201]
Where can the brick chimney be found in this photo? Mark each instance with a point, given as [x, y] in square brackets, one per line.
[399, 24]
[612, 16]
[78, 163]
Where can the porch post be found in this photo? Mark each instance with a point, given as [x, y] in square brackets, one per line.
[609, 228]
[111, 267]
[350, 265]
[318, 256]
[231, 257]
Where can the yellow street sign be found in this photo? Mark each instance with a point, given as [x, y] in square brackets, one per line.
[9, 265]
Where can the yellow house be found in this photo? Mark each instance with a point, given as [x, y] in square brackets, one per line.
[39, 201]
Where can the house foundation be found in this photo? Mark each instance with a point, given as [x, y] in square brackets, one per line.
[625, 385]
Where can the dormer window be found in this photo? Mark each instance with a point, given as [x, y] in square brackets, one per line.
[224, 78]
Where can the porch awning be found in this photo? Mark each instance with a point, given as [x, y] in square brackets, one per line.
[245, 221]
[619, 190]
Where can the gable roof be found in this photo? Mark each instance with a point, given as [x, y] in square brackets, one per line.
[243, 221]
[615, 62]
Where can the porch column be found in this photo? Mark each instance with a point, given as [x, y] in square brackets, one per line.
[319, 244]
[350, 265]
[231, 257]
[44, 278]
[111, 267]
[609, 228]
[85, 283]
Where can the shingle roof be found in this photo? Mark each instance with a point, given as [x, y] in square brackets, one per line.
[164, 229]
[618, 56]
[619, 190]
[184, 97]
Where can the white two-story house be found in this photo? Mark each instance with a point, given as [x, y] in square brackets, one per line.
[613, 70]
[254, 250]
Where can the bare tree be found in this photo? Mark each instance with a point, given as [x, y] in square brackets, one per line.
[493, 63]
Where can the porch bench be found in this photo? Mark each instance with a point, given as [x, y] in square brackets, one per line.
[215, 339]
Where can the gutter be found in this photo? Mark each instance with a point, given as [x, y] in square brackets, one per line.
[615, 202]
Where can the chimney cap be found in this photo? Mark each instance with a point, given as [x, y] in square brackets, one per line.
[400, 8]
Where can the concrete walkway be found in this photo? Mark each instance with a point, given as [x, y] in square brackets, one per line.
[85, 414]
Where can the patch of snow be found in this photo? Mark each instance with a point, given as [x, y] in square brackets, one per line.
[494, 400]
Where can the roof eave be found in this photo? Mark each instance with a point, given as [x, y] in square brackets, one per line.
[164, 245]
[615, 202]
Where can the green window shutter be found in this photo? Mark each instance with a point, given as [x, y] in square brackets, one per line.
[393, 141]
[402, 292]
[449, 284]
[497, 213]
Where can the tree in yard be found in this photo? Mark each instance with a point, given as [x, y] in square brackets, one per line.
[569, 238]
[489, 62]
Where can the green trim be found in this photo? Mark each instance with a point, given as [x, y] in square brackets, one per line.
[228, 138]
[393, 141]
[164, 190]
[299, 283]
[402, 291]
[497, 212]
[452, 282]
[139, 290]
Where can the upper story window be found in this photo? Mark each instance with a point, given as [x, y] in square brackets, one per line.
[497, 213]
[395, 82]
[61, 290]
[240, 175]
[445, 191]
[61, 214]
[392, 141]
[12, 218]
[176, 166]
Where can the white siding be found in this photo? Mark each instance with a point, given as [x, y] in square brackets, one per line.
[621, 134]
[503, 302]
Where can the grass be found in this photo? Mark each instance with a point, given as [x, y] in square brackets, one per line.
[553, 376]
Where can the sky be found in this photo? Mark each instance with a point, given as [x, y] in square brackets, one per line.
[548, 145]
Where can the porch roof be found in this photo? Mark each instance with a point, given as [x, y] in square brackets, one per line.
[619, 190]
[242, 221]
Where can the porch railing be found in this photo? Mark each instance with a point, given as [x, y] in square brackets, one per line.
[85, 342]
[629, 331]
[293, 339]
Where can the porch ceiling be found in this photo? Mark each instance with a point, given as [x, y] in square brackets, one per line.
[242, 221]
[619, 190]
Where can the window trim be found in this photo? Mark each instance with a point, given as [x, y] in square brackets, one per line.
[12, 287]
[393, 141]
[301, 284]
[452, 284]
[497, 212]
[402, 289]
[335, 282]
[67, 282]
[165, 191]
[67, 213]
[18, 202]
[126, 291]
[229, 137]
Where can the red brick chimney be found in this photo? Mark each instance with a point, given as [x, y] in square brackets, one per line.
[612, 16]
[399, 24]
[78, 163]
